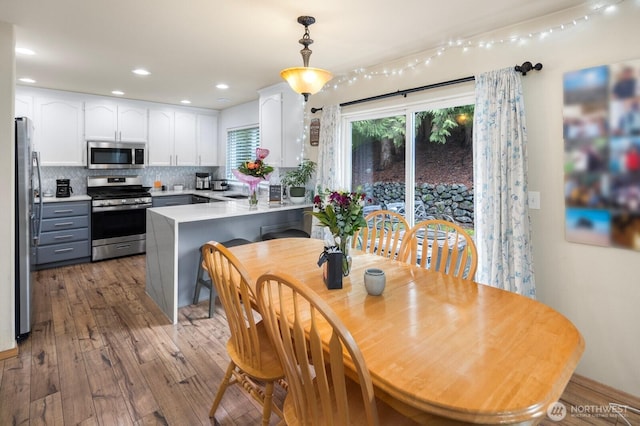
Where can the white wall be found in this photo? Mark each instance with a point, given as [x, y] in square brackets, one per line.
[7, 276]
[597, 288]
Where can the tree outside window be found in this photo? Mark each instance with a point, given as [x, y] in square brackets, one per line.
[440, 163]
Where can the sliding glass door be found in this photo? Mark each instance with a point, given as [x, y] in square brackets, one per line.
[417, 160]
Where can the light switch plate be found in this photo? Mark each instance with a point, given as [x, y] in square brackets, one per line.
[534, 200]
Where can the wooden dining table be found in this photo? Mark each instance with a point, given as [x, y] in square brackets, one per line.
[441, 350]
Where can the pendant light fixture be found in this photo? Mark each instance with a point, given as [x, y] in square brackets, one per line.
[306, 80]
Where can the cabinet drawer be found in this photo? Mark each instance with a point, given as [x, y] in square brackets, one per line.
[65, 223]
[66, 236]
[51, 210]
[61, 252]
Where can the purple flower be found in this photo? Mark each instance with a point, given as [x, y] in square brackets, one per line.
[345, 217]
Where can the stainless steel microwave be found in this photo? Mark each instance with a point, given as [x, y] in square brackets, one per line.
[116, 155]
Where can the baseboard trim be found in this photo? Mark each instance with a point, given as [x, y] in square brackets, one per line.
[9, 353]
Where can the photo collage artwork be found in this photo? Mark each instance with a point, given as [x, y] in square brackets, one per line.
[602, 155]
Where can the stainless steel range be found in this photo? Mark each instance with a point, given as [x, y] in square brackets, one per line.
[118, 216]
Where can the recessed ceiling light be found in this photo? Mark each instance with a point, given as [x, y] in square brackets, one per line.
[223, 100]
[185, 101]
[27, 80]
[25, 51]
[140, 71]
[222, 86]
[117, 92]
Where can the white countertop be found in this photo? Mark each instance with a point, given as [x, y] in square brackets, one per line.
[64, 199]
[159, 193]
[209, 194]
[221, 209]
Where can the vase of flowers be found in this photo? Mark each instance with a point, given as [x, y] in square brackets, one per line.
[253, 172]
[341, 213]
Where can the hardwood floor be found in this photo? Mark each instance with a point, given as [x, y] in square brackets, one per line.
[102, 353]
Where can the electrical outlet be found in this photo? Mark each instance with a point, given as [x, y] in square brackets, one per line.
[534, 200]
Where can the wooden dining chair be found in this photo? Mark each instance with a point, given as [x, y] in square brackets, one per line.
[250, 350]
[312, 344]
[382, 235]
[441, 246]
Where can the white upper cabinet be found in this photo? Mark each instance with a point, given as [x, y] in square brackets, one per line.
[281, 112]
[58, 132]
[64, 121]
[179, 137]
[111, 121]
[161, 135]
[23, 106]
[185, 139]
[207, 135]
[132, 123]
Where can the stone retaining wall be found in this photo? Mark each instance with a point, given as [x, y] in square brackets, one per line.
[448, 201]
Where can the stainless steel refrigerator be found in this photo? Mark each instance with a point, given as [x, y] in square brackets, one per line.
[27, 220]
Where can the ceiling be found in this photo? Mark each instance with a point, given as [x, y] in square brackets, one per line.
[190, 46]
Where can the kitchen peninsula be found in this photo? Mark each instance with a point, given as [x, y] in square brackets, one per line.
[175, 234]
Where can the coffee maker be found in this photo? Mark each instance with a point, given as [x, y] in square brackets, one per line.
[63, 188]
[203, 181]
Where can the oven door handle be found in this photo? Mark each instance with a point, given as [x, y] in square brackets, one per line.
[120, 208]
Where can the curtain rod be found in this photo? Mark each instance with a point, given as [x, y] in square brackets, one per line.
[524, 68]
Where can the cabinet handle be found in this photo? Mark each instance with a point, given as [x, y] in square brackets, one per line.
[115, 135]
[63, 211]
[120, 134]
[176, 159]
[199, 160]
[123, 246]
[62, 237]
[63, 250]
[63, 224]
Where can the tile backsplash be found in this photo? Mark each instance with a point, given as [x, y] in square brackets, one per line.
[167, 175]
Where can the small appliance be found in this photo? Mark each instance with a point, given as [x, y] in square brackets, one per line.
[63, 188]
[219, 185]
[203, 181]
[115, 155]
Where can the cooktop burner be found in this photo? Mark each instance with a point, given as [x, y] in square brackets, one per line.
[122, 190]
[110, 193]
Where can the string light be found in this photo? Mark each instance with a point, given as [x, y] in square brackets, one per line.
[426, 58]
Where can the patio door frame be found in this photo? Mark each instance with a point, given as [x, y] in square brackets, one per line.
[409, 110]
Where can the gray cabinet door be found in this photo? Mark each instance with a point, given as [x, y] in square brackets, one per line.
[171, 200]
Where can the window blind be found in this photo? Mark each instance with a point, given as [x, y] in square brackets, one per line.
[241, 146]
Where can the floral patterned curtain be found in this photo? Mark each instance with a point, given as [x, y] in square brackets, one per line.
[502, 229]
[326, 173]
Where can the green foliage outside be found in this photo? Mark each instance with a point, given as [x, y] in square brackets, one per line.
[437, 123]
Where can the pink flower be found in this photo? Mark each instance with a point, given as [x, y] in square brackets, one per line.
[262, 153]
